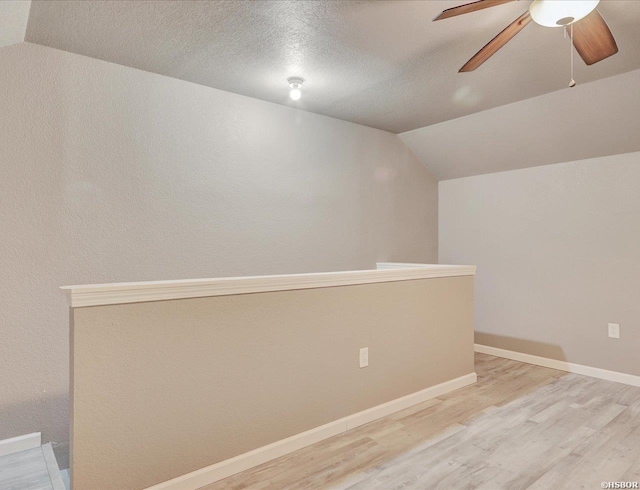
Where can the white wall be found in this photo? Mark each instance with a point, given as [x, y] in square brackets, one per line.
[558, 255]
[112, 174]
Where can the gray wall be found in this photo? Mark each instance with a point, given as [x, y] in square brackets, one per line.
[558, 255]
[224, 375]
[112, 174]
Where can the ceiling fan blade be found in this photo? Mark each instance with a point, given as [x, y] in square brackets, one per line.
[470, 7]
[592, 38]
[497, 42]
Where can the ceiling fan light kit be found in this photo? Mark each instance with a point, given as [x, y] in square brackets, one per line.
[559, 13]
[590, 34]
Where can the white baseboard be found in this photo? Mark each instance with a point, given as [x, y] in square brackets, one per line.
[224, 469]
[570, 367]
[398, 404]
[20, 443]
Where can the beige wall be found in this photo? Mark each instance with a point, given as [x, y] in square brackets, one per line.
[558, 255]
[111, 174]
[164, 388]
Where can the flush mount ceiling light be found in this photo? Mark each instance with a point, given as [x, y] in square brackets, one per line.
[295, 83]
[558, 13]
[588, 31]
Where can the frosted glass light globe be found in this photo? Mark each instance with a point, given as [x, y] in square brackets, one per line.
[558, 13]
[295, 94]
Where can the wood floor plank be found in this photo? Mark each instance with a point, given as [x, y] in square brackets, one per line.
[24, 470]
[520, 426]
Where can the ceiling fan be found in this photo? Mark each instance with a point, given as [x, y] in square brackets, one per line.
[590, 34]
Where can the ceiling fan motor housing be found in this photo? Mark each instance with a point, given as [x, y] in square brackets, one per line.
[590, 34]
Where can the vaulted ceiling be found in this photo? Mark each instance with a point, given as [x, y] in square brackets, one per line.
[592, 120]
[383, 64]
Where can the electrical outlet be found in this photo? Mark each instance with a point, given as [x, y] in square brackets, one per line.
[364, 357]
[614, 330]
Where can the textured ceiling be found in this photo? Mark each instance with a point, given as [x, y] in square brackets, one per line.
[379, 63]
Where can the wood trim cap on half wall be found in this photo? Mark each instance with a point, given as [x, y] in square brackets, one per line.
[141, 292]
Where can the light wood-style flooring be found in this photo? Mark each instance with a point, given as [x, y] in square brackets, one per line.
[31, 469]
[521, 426]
